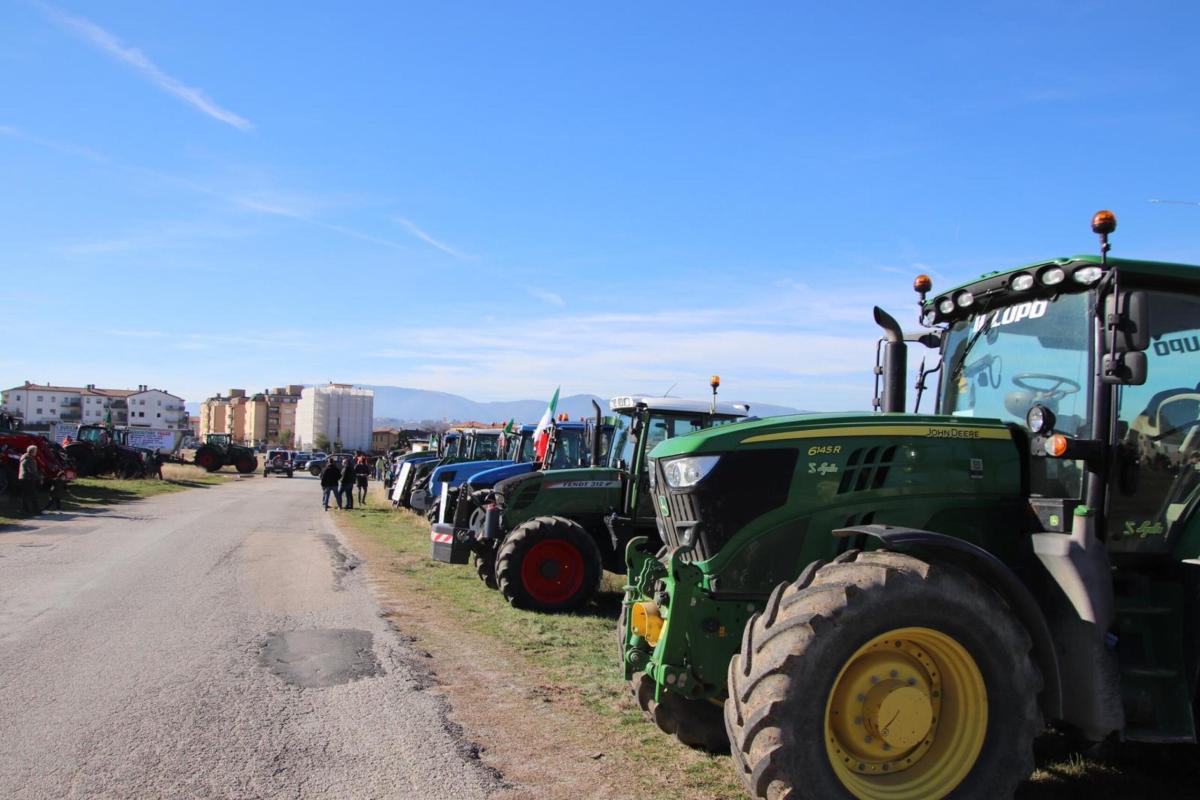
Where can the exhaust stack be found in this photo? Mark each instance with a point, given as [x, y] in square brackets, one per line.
[894, 366]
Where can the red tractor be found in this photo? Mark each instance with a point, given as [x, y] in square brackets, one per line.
[52, 461]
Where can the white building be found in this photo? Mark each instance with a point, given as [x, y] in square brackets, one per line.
[143, 407]
[339, 412]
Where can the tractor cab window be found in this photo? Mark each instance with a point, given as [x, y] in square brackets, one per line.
[1157, 475]
[89, 435]
[568, 448]
[522, 448]
[620, 452]
[1001, 361]
[486, 447]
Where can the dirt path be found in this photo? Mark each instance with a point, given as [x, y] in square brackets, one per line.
[537, 731]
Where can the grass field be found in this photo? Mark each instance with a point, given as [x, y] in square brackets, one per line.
[89, 494]
[576, 652]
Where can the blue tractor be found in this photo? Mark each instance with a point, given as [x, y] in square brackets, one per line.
[414, 468]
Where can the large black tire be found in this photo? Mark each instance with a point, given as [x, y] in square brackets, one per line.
[795, 650]
[548, 564]
[246, 464]
[485, 567]
[8, 481]
[209, 458]
[83, 459]
[315, 471]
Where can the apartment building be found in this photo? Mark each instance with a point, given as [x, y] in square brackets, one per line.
[266, 417]
[337, 411]
[46, 404]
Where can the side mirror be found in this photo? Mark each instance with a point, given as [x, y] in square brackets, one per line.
[1126, 369]
[1131, 321]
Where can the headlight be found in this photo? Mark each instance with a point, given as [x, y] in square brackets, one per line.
[1087, 275]
[946, 305]
[684, 472]
[964, 299]
[1053, 276]
[1022, 282]
[653, 477]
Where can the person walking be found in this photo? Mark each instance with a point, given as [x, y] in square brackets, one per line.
[30, 478]
[348, 484]
[362, 474]
[330, 476]
[380, 463]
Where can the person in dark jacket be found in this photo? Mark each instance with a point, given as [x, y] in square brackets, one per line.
[330, 476]
[30, 478]
[348, 484]
[362, 474]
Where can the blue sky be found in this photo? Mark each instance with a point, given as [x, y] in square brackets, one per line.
[496, 198]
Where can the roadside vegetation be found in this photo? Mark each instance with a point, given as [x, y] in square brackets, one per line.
[572, 658]
[90, 494]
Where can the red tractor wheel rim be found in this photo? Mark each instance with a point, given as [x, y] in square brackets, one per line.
[206, 459]
[552, 571]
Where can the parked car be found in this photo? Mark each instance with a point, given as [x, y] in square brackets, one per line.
[278, 462]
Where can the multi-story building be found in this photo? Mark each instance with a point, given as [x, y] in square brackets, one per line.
[267, 417]
[337, 411]
[47, 404]
[214, 416]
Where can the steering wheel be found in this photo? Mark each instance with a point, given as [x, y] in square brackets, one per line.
[1059, 386]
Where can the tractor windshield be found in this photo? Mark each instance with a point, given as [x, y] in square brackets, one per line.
[569, 448]
[621, 449]
[486, 447]
[999, 362]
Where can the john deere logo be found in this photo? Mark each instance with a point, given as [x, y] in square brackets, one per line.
[662, 506]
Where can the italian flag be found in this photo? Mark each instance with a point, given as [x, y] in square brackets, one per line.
[505, 432]
[541, 436]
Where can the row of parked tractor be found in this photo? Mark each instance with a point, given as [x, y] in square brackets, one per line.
[98, 450]
[885, 604]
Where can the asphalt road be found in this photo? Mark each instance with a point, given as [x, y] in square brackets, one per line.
[215, 643]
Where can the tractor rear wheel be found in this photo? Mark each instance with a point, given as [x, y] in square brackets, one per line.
[246, 464]
[83, 458]
[883, 676]
[485, 568]
[209, 458]
[548, 564]
[8, 481]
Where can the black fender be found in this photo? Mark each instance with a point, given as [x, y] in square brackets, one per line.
[996, 574]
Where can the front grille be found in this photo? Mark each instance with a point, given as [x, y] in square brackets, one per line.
[742, 487]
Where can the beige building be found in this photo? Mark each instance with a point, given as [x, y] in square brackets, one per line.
[143, 407]
[214, 416]
[267, 417]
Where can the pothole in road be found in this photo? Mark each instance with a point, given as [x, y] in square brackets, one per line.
[320, 657]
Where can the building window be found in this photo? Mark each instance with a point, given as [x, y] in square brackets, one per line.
[39, 398]
[39, 411]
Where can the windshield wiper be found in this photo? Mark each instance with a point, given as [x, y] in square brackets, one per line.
[961, 362]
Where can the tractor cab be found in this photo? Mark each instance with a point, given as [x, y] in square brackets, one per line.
[910, 593]
[218, 439]
[544, 536]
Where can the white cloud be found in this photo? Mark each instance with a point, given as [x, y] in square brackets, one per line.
[106, 41]
[412, 228]
[547, 296]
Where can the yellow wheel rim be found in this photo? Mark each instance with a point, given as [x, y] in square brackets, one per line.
[907, 716]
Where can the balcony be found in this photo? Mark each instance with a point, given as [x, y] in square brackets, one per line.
[70, 403]
[71, 416]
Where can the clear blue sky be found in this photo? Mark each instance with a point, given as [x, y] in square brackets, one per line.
[496, 198]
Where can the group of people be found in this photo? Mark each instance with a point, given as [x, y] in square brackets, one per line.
[341, 480]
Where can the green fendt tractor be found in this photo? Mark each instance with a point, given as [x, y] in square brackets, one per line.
[548, 536]
[889, 605]
[219, 450]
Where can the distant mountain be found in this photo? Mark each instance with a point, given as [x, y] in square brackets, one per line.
[397, 403]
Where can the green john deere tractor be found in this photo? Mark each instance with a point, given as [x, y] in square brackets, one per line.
[547, 536]
[889, 605]
[219, 450]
